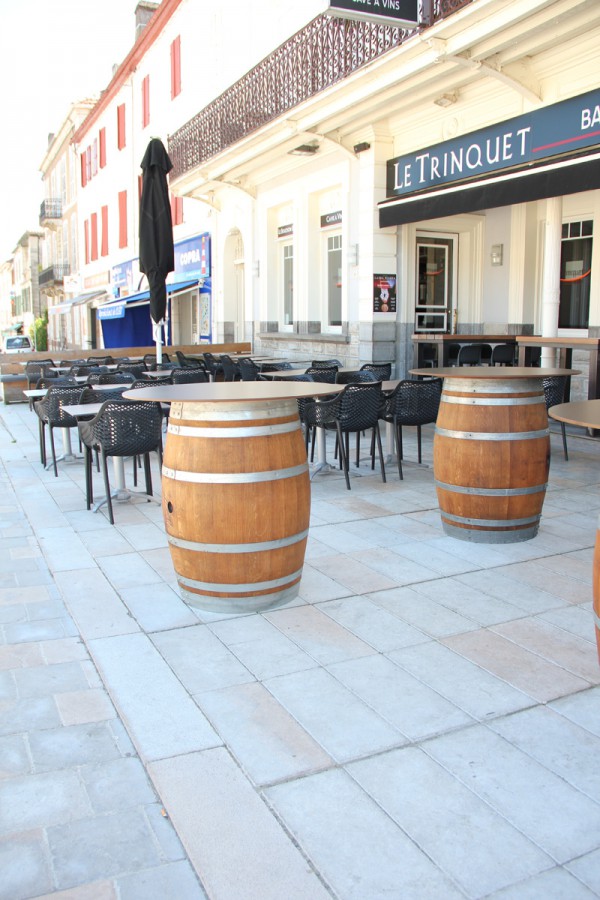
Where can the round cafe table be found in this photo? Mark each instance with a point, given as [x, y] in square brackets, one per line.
[585, 413]
[491, 451]
[236, 490]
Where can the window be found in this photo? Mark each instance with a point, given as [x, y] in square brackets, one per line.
[104, 237]
[83, 170]
[288, 283]
[177, 210]
[94, 236]
[94, 158]
[334, 280]
[175, 67]
[102, 138]
[122, 219]
[121, 126]
[146, 101]
[88, 164]
[575, 274]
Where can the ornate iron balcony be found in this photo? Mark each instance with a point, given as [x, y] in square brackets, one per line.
[50, 209]
[54, 274]
[328, 50]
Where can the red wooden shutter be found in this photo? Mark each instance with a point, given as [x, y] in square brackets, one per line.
[122, 219]
[86, 237]
[121, 126]
[94, 236]
[83, 170]
[102, 135]
[104, 238]
[146, 101]
[175, 67]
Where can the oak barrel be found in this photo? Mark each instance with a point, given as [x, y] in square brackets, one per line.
[491, 457]
[236, 502]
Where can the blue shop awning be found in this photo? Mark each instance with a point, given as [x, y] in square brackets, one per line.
[116, 308]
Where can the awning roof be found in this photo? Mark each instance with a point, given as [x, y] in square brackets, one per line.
[568, 176]
[66, 305]
[142, 297]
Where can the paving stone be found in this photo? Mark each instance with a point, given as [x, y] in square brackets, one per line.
[44, 681]
[24, 866]
[36, 801]
[173, 881]
[14, 756]
[75, 745]
[77, 707]
[117, 784]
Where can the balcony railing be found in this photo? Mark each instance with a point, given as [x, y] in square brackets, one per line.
[54, 274]
[328, 50]
[50, 209]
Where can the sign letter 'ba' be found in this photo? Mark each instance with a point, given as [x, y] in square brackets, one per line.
[157, 257]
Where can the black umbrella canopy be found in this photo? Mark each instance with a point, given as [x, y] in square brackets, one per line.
[157, 256]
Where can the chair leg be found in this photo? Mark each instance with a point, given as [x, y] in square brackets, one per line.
[87, 460]
[381, 462]
[107, 487]
[419, 443]
[343, 454]
[398, 453]
[42, 427]
[148, 474]
[564, 437]
[51, 430]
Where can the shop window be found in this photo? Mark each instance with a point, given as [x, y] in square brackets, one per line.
[175, 67]
[122, 219]
[146, 101]
[287, 269]
[334, 280]
[575, 274]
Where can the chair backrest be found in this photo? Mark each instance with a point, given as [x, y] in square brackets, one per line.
[132, 368]
[383, 371]
[100, 361]
[360, 405]
[56, 398]
[356, 377]
[415, 402]
[147, 382]
[503, 355]
[469, 355]
[116, 378]
[325, 363]
[230, 369]
[323, 374]
[127, 427]
[191, 375]
[248, 369]
[555, 387]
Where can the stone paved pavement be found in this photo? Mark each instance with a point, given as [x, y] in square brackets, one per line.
[423, 722]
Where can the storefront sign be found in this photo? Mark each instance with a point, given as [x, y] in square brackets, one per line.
[112, 311]
[556, 130]
[192, 258]
[384, 293]
[285, 231]
[400, 13]
[99, 280]
[333, 218]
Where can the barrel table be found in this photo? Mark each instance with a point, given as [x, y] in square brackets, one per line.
[491, 451]
[236, 490]
[585, 413]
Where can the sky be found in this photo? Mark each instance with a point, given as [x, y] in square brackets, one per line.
[52, 53]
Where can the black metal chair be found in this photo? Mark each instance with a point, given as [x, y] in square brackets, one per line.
[555, 388]
[355, 409]
[86, 370]
[230, 369]
[121, 428]
[469, 355]
[35, 369]
[119, 377]
[412, 403]
[50, 412]
[358, 377]
[503, 355]
[100, 361]
[215, 369]
[249, 370]
[192, 375]
[325, 363]
[134, 369]
[323, 374]
[383, 371]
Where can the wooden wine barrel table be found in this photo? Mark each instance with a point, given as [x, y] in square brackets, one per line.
[585, 413]
[236, 490]
[491, 451]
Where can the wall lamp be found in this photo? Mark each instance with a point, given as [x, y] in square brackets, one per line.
[360, 148]
[305, 149]
[445, 100]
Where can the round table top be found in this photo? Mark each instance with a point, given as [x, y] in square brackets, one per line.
[493, 372]
[232, 391]
[582, 412]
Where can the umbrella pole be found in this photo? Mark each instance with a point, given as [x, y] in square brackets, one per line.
[158, 341]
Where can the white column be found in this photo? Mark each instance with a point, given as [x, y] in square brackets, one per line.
[551, 274]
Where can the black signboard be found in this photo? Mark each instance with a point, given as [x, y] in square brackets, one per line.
[400, 13]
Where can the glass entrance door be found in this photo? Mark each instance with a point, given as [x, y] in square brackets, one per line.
[435, 299]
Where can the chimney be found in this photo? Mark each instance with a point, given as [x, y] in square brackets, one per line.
[143, 13]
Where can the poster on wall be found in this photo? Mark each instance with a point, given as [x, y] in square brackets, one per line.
[384, 293]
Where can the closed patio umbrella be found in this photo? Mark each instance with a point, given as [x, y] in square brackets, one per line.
[157, 256]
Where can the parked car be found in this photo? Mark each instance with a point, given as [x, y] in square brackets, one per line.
[18, 344]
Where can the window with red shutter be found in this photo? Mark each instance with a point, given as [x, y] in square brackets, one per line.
[122, 219]
[83, 170]
[102, 137]
[146, 101]
[121, 126]
[177, 210]
[88, 163]
[86, 238]
[94, 236]
[95, 158]
[104, 238]
[175, 67]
